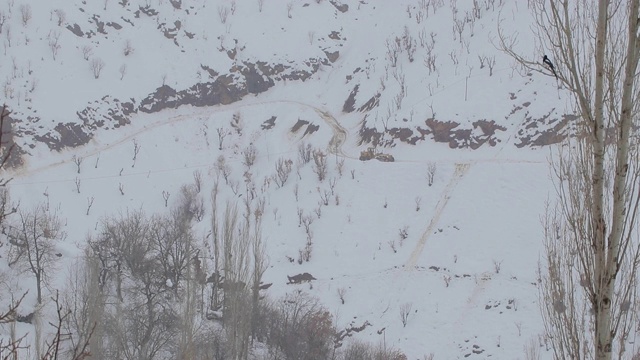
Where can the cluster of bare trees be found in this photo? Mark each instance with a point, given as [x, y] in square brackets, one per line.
[589, 282]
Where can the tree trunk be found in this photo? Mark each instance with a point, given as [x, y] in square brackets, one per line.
[603, 283]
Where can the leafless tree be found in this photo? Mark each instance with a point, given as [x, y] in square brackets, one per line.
[221, 135]
[139, 321]
[320, 164]
[173, 242]
[128, 48]
[165, 196]
[54, 43]
[78, 161]
[249, 156]
[3, 19]
[33, 237]
[25, 14]
[289, 8]
[61, 15]
[393, 51]
[236, 244]
[96, 67]
[87, 51]
[122, 70]
[90, 201]
[341, 294]
[431, 172]
[85, 303]
[283, 170]
[260, 5]
[304, 153]
[596, 48]
[197, 180]
[405, 311]
[136, 151]
[223, 13]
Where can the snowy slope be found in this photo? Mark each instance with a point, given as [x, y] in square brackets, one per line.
[468, 263]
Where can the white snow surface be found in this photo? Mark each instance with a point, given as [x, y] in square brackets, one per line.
[468, 265]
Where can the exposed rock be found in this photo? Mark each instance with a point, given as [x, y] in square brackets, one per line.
[300, 278]
[269, 123]
[351, 100]
[371, 103]
[553, 130]
[343, 8]
[68, 135]
[148, 10]
[75, 29]
[332, 56]
[99, 24]
[114, 25]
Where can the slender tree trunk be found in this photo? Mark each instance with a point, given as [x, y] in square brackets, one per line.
[605, 330]
[39, 286]
[603, 285]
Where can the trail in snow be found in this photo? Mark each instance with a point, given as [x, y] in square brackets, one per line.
[461, 170]
[338, 139]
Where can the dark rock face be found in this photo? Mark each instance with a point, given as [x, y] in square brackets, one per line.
[75, 29]
[446, 131]
[349, 104]
[441, 131]
[66, 135]
[343, 8]
[553, 131]
[269, 123]
[332, 56]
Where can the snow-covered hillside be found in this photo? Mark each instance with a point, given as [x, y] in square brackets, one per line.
[116, 104]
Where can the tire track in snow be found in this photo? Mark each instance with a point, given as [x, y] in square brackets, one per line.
[458, 174]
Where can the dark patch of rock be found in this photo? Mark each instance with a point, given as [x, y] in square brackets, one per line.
[349, 104]
[269, 123]
[371, 103]
[343, 8]
[75, 29]
[68, 135]
[332, 56]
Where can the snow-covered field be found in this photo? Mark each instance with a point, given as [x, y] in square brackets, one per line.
[462, 252]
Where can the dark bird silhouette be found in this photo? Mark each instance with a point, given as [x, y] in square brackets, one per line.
[548, 62]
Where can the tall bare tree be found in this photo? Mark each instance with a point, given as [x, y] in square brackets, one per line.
[33, 238]
[592, 239]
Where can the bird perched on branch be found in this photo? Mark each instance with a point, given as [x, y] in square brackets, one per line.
[549, 64]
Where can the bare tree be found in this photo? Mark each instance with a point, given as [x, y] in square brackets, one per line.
[320, 164]
[122, 70]
[128, 48]
[140, 321]
[283, 169]
[61, 15]
[78, 161]
[289, 8]
[25, 14]
[86, 304]
[96, 67]
[54, 43]
[223, 13]
[236, 242]
[33, 238]
[86, 52]
[221, 135]
[596, 48]
[405, 311]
